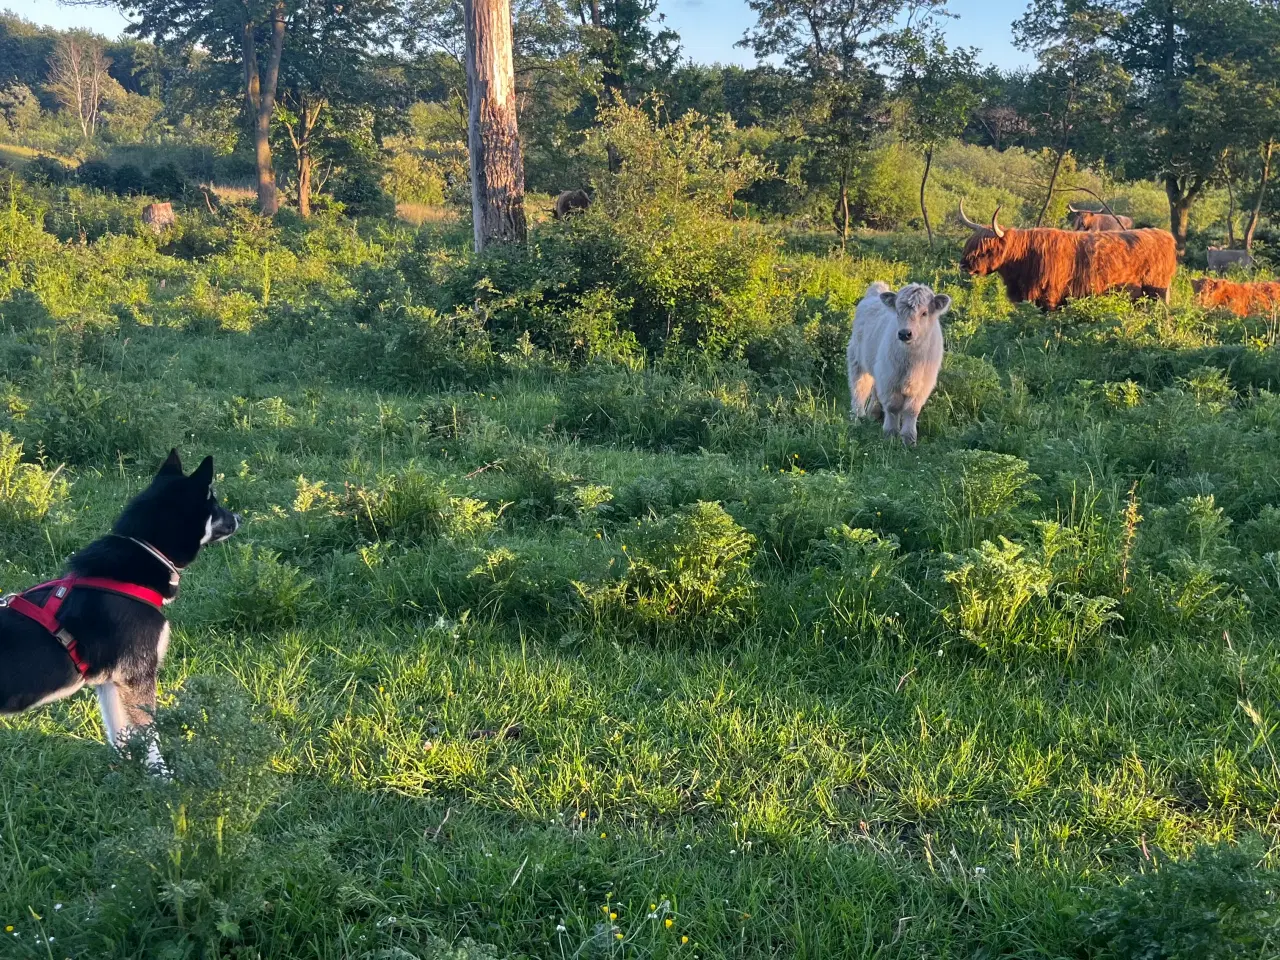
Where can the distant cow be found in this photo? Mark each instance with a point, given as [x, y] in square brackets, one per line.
[1241, 299]
[1221, 260]
[158, 216]
[1097, 220]
[1047, 267]
[571, 201]
[895, 349]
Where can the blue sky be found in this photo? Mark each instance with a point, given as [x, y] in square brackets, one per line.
[708, 28]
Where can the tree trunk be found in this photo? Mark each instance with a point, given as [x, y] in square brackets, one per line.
[260, 103]
[1179, 211]
[924, 207]
[1231, 202]
[304, 183]
[840, 215]
[493, 137]
[1262, 190]
[308, 115]
[1053, 182]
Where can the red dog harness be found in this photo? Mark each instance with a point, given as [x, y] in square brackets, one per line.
[46, 614]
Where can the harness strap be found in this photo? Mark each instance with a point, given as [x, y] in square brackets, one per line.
[46, 614]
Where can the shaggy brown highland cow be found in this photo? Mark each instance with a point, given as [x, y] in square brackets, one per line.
[1097, 220]
[571, 201]
[1241, 299]
[1047, 267]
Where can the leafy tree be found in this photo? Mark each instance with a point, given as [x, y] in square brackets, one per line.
[1182, 56]
[627, 39]
[249, 34]
[939, 88]
[833, 47]
[1244, 91]
[19, 108]
[1077, 92]
[331, 67]
[999, 119]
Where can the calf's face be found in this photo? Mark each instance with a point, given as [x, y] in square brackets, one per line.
[918, 311]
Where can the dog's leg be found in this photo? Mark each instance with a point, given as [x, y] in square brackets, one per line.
[140, 704]
[127, 708]
[114, 717]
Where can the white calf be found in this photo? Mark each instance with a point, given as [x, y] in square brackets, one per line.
[896, 350]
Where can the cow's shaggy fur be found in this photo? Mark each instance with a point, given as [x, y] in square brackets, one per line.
[1097, 220]
[1242, 299]
[895, 351]
[1047, 267]
[571, 201]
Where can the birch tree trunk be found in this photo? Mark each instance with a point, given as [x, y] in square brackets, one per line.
[493, 137]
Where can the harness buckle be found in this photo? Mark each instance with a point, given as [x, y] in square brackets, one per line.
[64, 638]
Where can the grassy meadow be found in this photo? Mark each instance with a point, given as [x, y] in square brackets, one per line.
[571, 617]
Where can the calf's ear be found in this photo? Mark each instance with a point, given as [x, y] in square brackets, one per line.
[889, 299]
[941, 304]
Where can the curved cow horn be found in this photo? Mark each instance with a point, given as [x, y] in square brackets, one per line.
[995, 224]
[1071, 208]
[966, 221]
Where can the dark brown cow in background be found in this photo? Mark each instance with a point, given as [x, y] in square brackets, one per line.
[1047, 267]
[571, 201]
[1097, 220]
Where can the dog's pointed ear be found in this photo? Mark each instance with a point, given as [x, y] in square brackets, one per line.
[204, 472]
[172, 463]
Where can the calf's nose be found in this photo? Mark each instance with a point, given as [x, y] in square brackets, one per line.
[904, 335]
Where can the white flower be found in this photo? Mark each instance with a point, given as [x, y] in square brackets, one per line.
[560, 928]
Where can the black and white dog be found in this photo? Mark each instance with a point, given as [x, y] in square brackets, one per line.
[101, 623]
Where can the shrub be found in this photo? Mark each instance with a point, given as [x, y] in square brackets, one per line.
[991, 487]
[128, 180]
[415, 507]
[167, 182]
[360, 192]
[78, 422]
[854, 575]
[968, 388]
[265, 592]
[97, 174]
[1218, 904]
[1007, 601]
[691, 569]
[47, 171]
[28, 492]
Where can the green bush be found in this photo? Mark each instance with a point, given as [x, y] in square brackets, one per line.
[1006, 601]
[28, 492]
[854, 583]
[690, 570]
[80, 421]
[415, 507]
[1218, 904]
[265, 592]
